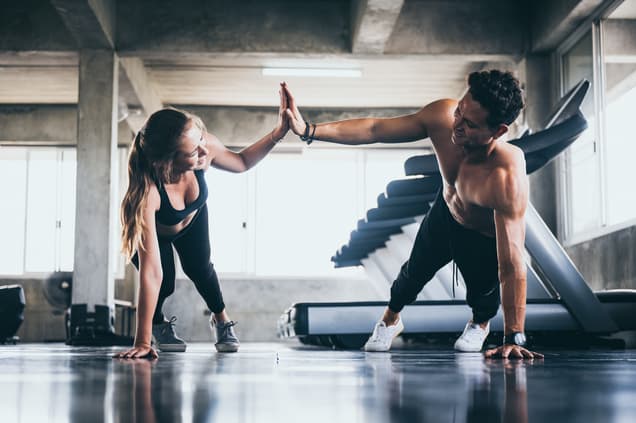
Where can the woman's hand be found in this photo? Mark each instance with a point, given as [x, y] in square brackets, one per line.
[295, 119]
[139, 351]
[282, 126]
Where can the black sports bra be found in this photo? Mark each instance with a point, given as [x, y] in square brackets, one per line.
[167, 215]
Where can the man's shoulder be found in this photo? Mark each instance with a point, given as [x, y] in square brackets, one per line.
[437, 114]
[509, 159]
[442, 106]
[508, 180]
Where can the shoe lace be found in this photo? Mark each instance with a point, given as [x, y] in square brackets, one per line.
[170, 325]
[225, 327]
[378, 332]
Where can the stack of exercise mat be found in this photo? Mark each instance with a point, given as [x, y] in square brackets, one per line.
[559, 300]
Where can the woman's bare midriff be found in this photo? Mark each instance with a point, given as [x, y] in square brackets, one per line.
[165, 230]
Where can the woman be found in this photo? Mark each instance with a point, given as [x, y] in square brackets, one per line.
[165, 206]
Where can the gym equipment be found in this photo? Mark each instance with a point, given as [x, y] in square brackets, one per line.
[12, 305]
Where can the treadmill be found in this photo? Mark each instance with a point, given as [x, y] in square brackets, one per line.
[559, 301]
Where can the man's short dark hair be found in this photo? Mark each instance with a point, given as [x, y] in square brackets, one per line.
[499, 93]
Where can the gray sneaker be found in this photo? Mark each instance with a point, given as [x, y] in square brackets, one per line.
[165, 339]
[226, 340]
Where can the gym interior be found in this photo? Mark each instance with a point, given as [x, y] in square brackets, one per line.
[308, 242]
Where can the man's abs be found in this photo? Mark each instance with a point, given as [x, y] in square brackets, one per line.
[471, 216]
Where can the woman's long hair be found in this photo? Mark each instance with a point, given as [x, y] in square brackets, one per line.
[150, 161]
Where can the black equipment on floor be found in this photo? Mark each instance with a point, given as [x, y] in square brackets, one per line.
[12, 305]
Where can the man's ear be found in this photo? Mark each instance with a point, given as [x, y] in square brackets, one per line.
[502, 129]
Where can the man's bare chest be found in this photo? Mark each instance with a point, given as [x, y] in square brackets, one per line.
[467, 180]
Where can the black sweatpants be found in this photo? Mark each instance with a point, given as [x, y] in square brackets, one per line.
[439, 240]
[193, 246]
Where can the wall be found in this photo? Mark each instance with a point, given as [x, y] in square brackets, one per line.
[258, 303]
[609, 261]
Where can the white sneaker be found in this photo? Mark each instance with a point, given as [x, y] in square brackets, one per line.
[383, 335]
[472, 340]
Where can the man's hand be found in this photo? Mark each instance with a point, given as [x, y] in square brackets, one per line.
[512, 351]
[282, 126]
[295, 119]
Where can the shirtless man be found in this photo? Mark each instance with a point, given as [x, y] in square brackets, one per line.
[477, 219]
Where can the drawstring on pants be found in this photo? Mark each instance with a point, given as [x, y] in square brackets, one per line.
[455, 282]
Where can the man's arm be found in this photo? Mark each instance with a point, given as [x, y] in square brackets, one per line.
[405, 128]
[510, 200]
[512, 193]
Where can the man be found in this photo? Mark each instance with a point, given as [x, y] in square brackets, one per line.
[477, 219]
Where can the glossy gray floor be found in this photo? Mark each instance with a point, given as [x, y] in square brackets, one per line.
[278, 382]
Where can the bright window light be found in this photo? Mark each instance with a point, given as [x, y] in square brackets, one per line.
[313, 72]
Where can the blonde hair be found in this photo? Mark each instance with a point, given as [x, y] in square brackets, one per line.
[150, 161]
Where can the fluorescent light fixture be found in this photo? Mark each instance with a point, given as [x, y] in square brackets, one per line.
[313, 72]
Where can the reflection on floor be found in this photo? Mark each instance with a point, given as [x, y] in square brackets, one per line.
[276, 382]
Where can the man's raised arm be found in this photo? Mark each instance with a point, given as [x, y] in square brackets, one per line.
[365, 130]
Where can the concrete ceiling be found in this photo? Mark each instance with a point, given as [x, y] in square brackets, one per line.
[213, 52]
[626, 10]
[190, 52]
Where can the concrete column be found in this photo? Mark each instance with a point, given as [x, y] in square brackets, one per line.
[93, 277]
[539, 93]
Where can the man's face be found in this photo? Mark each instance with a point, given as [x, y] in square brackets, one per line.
[470, 128]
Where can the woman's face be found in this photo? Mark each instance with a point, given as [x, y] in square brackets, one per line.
[192, 152]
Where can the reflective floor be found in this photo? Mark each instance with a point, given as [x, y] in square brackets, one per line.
[277, 382]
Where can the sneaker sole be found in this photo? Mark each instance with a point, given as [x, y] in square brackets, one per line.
[171, 348]
[168, 347]
[467, 351]
[227, 347]
[371, 349]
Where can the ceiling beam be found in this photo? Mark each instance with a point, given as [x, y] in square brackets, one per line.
[372, 24]
[90, 22]
[553, 21]
[142, 86]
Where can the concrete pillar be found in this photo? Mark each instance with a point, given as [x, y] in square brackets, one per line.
[93, 277]
[538, 84]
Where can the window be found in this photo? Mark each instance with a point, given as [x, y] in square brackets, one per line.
[583, 182]
[598, 168]
[227, 207]
[290, 214]
[13, 179]
[40, 216]
[286, 217]
[620, 97]
[38, 184]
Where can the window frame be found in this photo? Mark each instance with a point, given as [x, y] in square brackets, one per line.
[59, 150]
[565, 233]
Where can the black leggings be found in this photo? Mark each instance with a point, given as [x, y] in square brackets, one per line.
[439, 240]
[193, 246]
